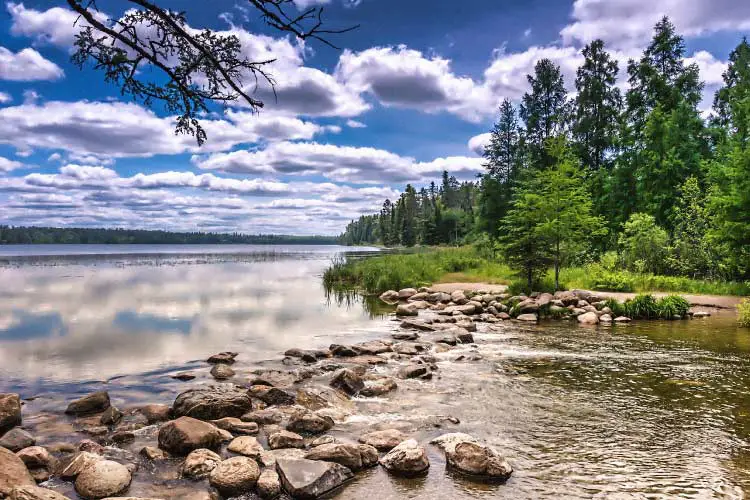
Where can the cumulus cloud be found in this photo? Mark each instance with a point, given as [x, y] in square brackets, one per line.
[27, 65]
[5, 97]
[478, 143]
[355, 124]
[7, 165]
[56, 26]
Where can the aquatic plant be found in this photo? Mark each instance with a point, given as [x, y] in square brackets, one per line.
[743, 312]
[673, 306]
[641, 307]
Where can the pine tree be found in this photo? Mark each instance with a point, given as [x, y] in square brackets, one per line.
[731, 115]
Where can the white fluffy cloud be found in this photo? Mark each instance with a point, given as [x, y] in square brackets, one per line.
[478, 143]
[27, 65]
[56, 26]
[7, 165]
[5, 97]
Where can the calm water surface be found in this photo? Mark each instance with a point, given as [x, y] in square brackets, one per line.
[648, 410]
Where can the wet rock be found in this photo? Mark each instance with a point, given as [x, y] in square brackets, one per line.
[152, 453]
[605, 318]
[35, 493]
[303, 478]
[378, 387]
[389, 296]
[285, 439]
[269, 484]
[235, 476]
[247, 446]
[184, 376]
[527, 317]
[506, 316]
[10, 411]
[407, 310]
[405, 336]
[448, 340]
[407, 459]
[78, 463]
[343, 351]
[37, 457]
[306, 354]
[186, 434]
[155, 413]
[415, 371]
[463, 336]
[273, 396]
[475, 459]
[417, 325]
[236, 426]
[406, 293]
[701, 314]
[459, 297]
[90, 446]
[322, 396]
[17, 439]
[622, 319]
[199, 464]
[588, 318]
[409, 348]
[305, 421]
[13, 472]
[348, 455]
[384, 440]
[369, 455]
[222, 371]
[104, 478]
[322, 440]
[212, 403]
[263, 417]
[87, 405]
[372, 348]
[348, 381]
[122, 437]
[111, 416]
[226, 358]
[528, 306]
[466, 309]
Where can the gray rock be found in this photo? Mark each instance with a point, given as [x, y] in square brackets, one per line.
[10, 411]
[235, 476]
[222, 371]
[475, 459]
[35, 493]
[406, 459]
[389, 296]
[285, 439]
[199, 463]
[263, 417]
[186, 434]
[348, 381]
[417, 325]
[407, 310]
[247, 446]
[378, 387]
[605, 318]
[305, 421]
[104, 478]
[269, 484]
[17, 439]
[348, 455]
[87, 405]
[111, 416]
[212, 403]
[13, 472]
[406, 293]
[303, 478]
[384, 440]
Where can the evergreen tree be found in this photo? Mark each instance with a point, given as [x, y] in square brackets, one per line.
[731, 115]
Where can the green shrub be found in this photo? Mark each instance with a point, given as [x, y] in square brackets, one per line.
[615, 306]
[641, 307]
[743, 312]
[643, 244]
[546, 284]
[613, 281]
[673, 306]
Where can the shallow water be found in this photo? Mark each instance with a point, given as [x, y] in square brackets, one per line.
[647, 410]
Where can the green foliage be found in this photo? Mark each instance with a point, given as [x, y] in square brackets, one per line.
[641, 307]
[643, 244]
[615, 306]
[543, 284]
[613, 281]
[673, 306]
[743, 312]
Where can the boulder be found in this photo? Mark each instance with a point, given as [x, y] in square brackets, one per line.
[389, 296]
[378, 387]
[247, 446]
[348, 455]
[35, 493]
[35, 457]
[222, 371]
[10, 411]
[372, 348]
[527, 317]
[415, 371]
[308, 422]
[152, 453]
[384, 440]
[263, 417]
[269, 484]
[407, 310]
[199, 464]
[285, 439]
[78, 463]
[448, 442]
[13, 472]
[407, 459]
[155, 413]
[17, 439]
[235, 476]
[348, 381]
[104, 478]
[273, 396]
[304, 478]
[528, 306]
[93, 403]
[186, 434]
[111, 416]
[459, 297]
[588, 318]
[405, 293]
[475, 459]
[223, 357]
[212, 403]
[605, 318]
[622, 319]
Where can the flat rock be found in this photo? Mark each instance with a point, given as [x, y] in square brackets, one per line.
[384, 440]
[10, 411]
[13, 472]
[35, 493]
[199, 463]
[17, 439]
[104, 478]
[247, 446]
[405, 335]
[527, 317]
[285, 439]
[378, 387]
[406, 459]
[184, 376]
[186, 434]
[263, 417]
[304, 478]
[622, 319]
[212, 402]
[236, 425]
[235, 476]
[372, 348]
[346, 454]
[448, 442]
[273, 396]
[415, 371]
[348, 381]
[417, 325]
[87, 405]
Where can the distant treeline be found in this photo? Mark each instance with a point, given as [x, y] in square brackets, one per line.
[58, 235]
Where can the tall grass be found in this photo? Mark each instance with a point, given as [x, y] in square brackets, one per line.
[743, 312]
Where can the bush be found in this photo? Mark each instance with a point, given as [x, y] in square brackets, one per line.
[743, 312]
[641, 307]
[644, 245]
[520, 287]
[673, 306]
[615, 306]
[613, 281]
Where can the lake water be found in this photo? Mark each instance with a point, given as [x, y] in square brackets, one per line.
[647, 410]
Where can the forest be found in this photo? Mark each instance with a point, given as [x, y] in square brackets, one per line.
[48, 235]
[637, 179]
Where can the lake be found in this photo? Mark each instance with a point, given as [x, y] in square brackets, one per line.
[646, 410]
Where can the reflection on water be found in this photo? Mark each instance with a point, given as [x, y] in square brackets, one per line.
[71, 318]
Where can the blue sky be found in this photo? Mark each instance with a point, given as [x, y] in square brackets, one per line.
[412, 92]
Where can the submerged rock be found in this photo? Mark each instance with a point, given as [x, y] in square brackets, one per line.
[212, 402]
[186, 434]
[87, 405]
[199, 463]
[13, 472]
[384, 440]
[10, 411]
[235, 476]
[407, 459]
[304, 478]
[104, 478]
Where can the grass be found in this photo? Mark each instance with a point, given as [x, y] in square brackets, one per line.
[743, 312]
[432, 265]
